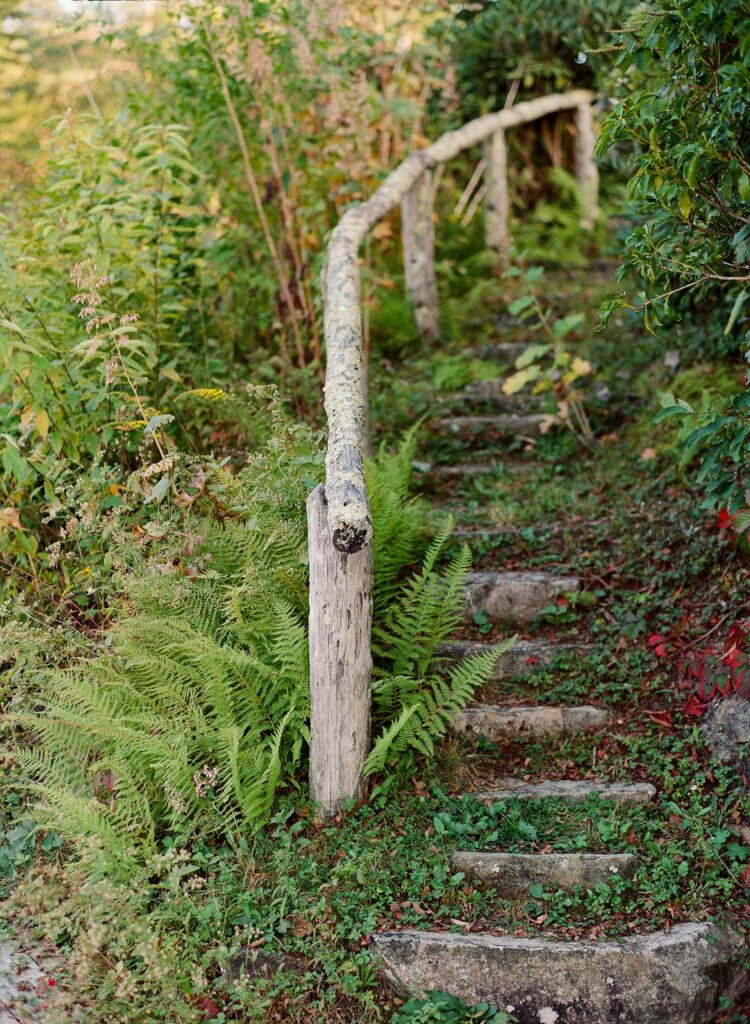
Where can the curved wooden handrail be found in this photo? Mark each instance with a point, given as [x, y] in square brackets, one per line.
[340, 543]
[348, 508]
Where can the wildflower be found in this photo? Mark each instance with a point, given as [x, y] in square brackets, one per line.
[204, 779]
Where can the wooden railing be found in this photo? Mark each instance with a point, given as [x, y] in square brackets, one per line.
[339, 523]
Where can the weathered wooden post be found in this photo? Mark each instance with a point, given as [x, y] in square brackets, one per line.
[497, 202]
[587, 172]
[418, 238]
[340, 662]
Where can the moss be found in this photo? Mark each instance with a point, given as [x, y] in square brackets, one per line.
[699, 385]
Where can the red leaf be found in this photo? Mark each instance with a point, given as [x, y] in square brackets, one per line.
[724, 520]
[209, 1007]
[654, 639]
[694, 706]
[663, 718]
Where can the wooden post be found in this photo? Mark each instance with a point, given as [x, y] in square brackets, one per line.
[418, 237]
[497, 202]
[587, 172]
[340, 663]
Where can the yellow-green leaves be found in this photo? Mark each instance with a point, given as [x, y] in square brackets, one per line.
[41, 421]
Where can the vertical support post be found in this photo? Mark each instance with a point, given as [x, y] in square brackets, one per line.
[587, 172]
[418, 238]
[497, 201]
[340, 663]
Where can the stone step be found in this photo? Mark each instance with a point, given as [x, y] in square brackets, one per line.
[674, 977]
[505, 352]
[428, 474]
[569, 789]
[515, 597]
[504, 425]
[495, 722]
[491, 392]
[457, 472]
[523, 657]
[512, 873]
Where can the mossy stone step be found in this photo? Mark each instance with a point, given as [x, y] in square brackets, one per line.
[521, 660]
[569, 789]
[515, 597]
[513, 873]
[426, 473]
[674, 977]
[504, 425]
[496, 722]
[504, 352]
[491, 392]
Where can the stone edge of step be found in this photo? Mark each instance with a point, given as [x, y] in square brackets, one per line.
[528, 719]
[509, 421]
[513, 873]
[568, 789]
[711, 944]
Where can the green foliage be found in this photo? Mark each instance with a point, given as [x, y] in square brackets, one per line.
[195, 709]
[412, 701]
[445, 1009]
[535, 44]
[686, 118]
[548, 363]
[101, 278]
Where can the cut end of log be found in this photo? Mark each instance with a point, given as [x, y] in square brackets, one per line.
[349, 539]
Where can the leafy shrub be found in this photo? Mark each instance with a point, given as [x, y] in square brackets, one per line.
[686, 118]
[99, 278]
[535, 44]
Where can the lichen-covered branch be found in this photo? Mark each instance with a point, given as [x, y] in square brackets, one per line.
[348, 509]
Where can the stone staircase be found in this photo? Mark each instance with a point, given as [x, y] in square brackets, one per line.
[666, 977]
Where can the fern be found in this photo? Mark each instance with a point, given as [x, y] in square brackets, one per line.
[412, 701]
[400, 531]
[196, 709]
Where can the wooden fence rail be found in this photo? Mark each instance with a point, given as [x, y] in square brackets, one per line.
[339, 523]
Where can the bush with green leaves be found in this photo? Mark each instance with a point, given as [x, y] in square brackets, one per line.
[103, 277]
[685, 120]
[196, 707]
[533, 46]
[684, 115]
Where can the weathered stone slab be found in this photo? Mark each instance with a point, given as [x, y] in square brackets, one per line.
[507, 424]
[726, 728]
[505, 352]
[515, 597]
[494, 721]
[459, 471]
[512, 873]
[570, 789]
[491, 392]
[521, 660]
[671, 977]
